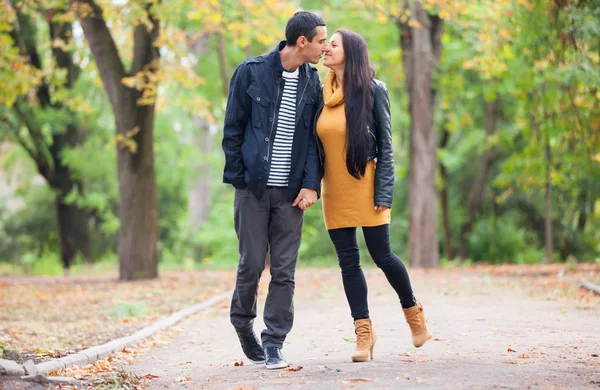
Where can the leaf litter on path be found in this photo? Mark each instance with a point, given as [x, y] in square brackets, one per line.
[90, 310]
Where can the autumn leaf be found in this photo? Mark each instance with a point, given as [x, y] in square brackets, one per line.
[150, 376]
[511, 350]
[357, 380]
[293, 369]
[239, 364]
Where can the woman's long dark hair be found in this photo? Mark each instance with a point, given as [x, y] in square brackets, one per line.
[358, 94]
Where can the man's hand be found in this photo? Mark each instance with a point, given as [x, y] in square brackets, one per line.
[306, 198]
[381, 208]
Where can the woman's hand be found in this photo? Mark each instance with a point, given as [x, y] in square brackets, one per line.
[381, 208]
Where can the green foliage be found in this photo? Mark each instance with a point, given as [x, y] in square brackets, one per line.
[541, 65]
[122, 310]
[501, 240]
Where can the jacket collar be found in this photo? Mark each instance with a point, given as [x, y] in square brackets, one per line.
[274, 59]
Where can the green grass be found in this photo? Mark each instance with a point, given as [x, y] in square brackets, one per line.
[123, 310]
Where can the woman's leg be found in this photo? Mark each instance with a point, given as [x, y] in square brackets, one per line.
[377, 239]
[353, 278]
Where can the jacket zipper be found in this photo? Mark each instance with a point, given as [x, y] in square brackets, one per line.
[374, 136]
[302, 96]
[318, 113]
[273, 123]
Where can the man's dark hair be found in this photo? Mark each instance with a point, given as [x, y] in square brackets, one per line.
[302, 24]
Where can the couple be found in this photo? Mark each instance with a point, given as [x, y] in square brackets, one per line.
[283, 133]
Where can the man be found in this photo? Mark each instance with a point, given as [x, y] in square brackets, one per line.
[271, 160]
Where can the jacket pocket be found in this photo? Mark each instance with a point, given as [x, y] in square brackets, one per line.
[260, 105]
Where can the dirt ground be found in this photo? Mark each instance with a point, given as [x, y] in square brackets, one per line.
[489, 332]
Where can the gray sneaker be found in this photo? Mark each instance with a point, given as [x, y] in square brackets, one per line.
[274, 358]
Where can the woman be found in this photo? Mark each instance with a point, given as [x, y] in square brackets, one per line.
[353, 129]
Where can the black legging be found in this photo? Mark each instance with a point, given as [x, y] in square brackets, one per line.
[377, 239]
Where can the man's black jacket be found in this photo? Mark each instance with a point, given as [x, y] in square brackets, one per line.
[251, 122]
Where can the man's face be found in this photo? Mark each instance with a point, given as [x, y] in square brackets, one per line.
[313, 50]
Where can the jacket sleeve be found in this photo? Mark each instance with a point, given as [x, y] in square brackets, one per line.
[312, 177]
[384, 172]
[237, 115]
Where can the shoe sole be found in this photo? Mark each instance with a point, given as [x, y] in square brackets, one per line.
[257, 361]
[276, 366]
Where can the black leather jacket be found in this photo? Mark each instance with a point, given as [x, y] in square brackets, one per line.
[380, 145]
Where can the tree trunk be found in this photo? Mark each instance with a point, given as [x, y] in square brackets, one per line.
[138, 209]
[444, 200]
[478, 189]
[223, 62]
[200, 199]
[73, 231]
[72, 221]
[421, 47]
[548, 204]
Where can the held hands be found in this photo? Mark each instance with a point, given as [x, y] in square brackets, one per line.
[381, 208]
[306, 198]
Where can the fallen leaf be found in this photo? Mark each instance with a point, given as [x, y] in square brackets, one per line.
[594, 355]
[333, 350]
[356, 380]
[436, 339]
[524, 356]
[150, 376]
[404, 354]
[293, 369]
[239, 364]
[125, 350]
[182, 379]
[511, 350]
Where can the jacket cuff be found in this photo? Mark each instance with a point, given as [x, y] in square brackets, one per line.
[383, 203]
[239, 184]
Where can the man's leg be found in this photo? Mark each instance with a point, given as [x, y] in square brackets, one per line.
[251, 218]
[285, 234]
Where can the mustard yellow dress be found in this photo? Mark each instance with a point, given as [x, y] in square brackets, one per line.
[347, 201]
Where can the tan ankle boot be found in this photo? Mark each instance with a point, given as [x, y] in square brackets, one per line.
[415, 316]
[365, 340]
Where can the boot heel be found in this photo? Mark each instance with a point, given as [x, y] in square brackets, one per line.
[372, 351]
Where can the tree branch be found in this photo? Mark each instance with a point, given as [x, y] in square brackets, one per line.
[103, 48]
[44, 167]
[144, 51]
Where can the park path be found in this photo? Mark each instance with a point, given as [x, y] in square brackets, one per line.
[477, 321]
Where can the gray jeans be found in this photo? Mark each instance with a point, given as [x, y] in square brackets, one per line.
[260, 224]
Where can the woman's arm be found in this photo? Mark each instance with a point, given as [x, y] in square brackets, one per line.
[384, 173]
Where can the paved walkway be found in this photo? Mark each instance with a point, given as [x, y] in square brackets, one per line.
[474, 320]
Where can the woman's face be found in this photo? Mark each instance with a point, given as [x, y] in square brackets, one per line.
[334, 56]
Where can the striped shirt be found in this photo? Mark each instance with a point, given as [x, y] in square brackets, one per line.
[281, 159]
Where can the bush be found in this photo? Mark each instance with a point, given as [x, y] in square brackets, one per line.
[501, 240]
